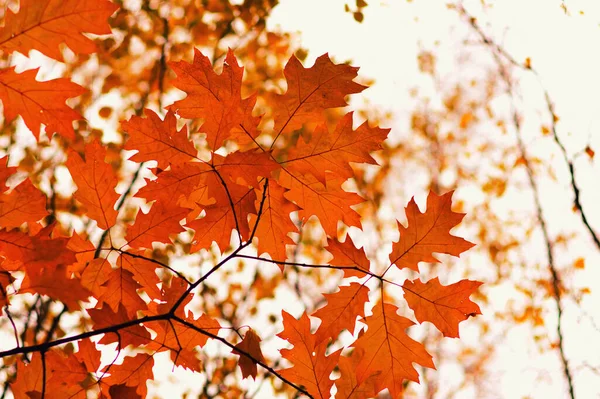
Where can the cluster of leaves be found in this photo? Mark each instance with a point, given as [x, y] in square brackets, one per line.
[238, 184]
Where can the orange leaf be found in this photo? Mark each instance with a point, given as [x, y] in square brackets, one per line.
[311, 367]
[427, 233]
[181, 340]
[155, 226]
[220, 219]
[274, 224]
[39, 102]
[444, 306]
[245, 168]
[388, 351]
[54, 283]
[24, 204]
[330, 203]
[44, 24]
[215, 98]
[250, 345]
[158, 140]
[121, 289]
[333, 152]
[104, 317]
[133, 372]
[312, 90]
[88, 354]
[182, 185]
[341, 311]
[34, 252]
[347, 385]
[96, 181]
[346, 254]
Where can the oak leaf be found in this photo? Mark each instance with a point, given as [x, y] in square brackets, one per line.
[311, 367]
[250, 345]
[341, 311]
[158, 140]
[428, 232]
[39, 102]
[274, 223]
[312, 90]
[443, 305]
[389, 351]
[333, 152]
[45, 24]
[96, 181]
[216, 99]
[346, 254]
[23, 204]
[133, 372]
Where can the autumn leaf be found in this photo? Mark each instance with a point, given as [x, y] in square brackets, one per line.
[341, 311]
[156, 225]
[33, 252]
[250, 345]
[216, 99]
[96, 182]
[347, 385]
[23, 204]
[55, 283]
[39, 102]
[133, 372]
[45, 24]
[329, 202]
[88, 354]
[388, 351]
[311, 367]
[333, 152]
[245, 168]
[427, 233]
[104, 317]
[121, 289]
[444, 306]
[274, 223]
[158, 140]
[347, 255]
[181, 340]
[222, 218]
[312, 90]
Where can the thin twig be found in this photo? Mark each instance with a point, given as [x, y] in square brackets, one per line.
[555, 280]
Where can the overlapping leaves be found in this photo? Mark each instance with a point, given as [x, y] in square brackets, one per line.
[233, 183]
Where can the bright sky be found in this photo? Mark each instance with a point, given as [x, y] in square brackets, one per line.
[562, 48]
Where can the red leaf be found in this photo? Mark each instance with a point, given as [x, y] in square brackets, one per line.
[45, 24]
[121, 289]
[275, 223]
[158, 140]
[155, 226]
[24, 204]
[215, 98]
[427, 233]
[133, 372]
[444, 306]
[329, 203]
[250, 345]
[333, 152]
[311, 367]
[389, 351]
[135, 335]
[39, 102]
[346, 254]
[312, 90]
[96, 182]
[341, 311]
